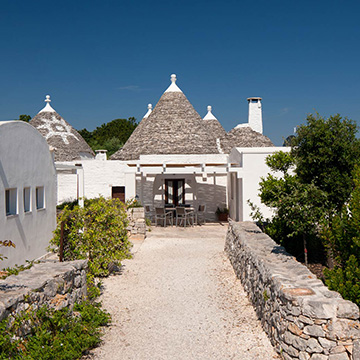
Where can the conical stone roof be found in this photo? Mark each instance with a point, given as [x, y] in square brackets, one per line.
[244, 137]
[213, 125]
[173, 127]
[67, 143]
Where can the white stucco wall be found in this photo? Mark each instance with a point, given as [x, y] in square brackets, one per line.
[246, 180]
[25, 161]
[99, 178]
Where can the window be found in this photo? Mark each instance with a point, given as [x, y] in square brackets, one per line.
[40, 198]
[11, 201]
[175, 192]
[27, 200]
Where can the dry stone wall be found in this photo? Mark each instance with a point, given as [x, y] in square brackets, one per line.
[137, 224]
[302, 317]
[53, 283]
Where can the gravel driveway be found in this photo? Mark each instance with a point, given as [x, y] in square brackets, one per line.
[178, 298]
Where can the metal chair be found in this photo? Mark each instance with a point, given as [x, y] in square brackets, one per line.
[183, 215]
[161, 214]
[201, 214]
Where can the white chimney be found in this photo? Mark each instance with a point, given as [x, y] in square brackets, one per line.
[255, 114]
[101, 155]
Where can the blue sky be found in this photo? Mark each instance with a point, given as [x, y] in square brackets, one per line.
[101, 60]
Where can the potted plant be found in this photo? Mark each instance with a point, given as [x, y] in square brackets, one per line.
[222, 213]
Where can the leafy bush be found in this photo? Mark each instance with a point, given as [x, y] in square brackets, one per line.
[342, 237]
[70, 204]
[133, 203]
[96, 232]
[61, 335]
[345, 280]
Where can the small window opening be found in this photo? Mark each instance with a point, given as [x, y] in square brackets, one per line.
[11, 201]
[27, 202]
[40, 198]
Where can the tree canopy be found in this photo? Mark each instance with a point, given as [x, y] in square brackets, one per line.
[110, 136]
[316, 180]
[25, 118]
[325, 153]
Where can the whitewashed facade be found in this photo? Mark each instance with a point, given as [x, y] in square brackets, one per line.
[27, 192]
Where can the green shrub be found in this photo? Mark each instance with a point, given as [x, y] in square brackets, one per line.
[345, 280]
[61, 335]
[96, 232]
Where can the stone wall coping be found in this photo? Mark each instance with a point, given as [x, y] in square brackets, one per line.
[294, 281]
[14, 288]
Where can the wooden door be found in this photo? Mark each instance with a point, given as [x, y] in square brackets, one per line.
[118, 192]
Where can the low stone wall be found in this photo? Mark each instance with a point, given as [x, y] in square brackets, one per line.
[137, 224]
[53, 283]
[302, 317]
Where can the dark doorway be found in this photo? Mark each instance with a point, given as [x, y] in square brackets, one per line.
[118, 192]
[175, 192]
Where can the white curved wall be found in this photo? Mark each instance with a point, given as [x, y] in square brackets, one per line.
[25, 161]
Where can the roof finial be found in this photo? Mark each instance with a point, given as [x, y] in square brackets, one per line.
[47, 107]
[173, 87]
[209, 115]
[148, 112]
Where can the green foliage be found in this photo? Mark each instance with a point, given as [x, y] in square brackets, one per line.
[62, 335]
[342, 237]
[298, 207]
[110, 136]
[25, 118]
[69, 204]
[345, 279]
[132, 203]
[96, 232]
[316, 180]
[325, 153]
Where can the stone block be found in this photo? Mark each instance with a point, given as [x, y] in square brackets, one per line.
[294, 329]
[338, 349]
[319, 308]
[314, 330]
[326, 344]
[318, 357]
[313, 346]
[356, 350]
[347, 309]
[340, 356]
[304, 355]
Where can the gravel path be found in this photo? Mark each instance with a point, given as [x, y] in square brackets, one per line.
[178, 298]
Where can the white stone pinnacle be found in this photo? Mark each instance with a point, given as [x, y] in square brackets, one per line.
[47, 107]
[173, 87]
[148, 112]
[209, 115]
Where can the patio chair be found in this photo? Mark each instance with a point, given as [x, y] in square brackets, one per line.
[201, 214]
[149, 213]
[183, 215]
[162, 215]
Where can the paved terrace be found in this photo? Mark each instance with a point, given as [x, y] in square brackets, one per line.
[178, 298]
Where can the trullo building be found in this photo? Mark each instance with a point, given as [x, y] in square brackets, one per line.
[174, 157]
